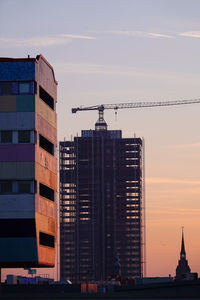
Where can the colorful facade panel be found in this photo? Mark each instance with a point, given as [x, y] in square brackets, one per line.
[17, 70]
[8, 103]
[26, 103]
[17, 121]
[17, 153]
[17, 170]
[14, 250]
[17, 206]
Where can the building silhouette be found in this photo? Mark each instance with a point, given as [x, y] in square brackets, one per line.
[28, 167]
[101, 205]
[183, 270]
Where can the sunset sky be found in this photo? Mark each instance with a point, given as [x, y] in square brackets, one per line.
[111, 51]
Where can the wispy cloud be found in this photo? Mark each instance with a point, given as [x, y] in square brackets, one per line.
[172, 181]
[141, 34]
[78, 36]
[42, 41]
[88, 68]
[194, 34]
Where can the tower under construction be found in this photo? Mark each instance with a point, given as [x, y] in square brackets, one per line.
[101, 205]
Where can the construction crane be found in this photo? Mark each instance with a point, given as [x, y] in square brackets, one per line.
[101, 124]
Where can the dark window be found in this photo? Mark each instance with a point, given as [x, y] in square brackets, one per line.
[46, 97]
[47, 240]
[6, 136]
[6, 88]
[5, 187]
[24, 186]
[46, 145]
[24, 136]
[17, 228]
[46, 192]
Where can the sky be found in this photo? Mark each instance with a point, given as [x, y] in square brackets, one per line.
[113, 51]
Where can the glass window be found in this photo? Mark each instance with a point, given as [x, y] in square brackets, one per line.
[24, 186]
[24, 136]
[46, 144]
[47, 240]
[6, 88]
[24, 88]
[46, 97]
[46, 192]
[5, 187]
[6, 136]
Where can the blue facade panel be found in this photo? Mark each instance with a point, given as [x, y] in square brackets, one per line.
[17, 121]
[17, 70]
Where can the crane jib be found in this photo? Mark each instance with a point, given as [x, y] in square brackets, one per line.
[102, 107]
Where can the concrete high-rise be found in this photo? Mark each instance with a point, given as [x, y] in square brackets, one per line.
[101, 205]
[28, 166]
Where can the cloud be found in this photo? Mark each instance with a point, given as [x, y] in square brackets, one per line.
[77, 36]
[141, 34]
[42, 41]
[88, 68]
[171, 181]
[194, 34]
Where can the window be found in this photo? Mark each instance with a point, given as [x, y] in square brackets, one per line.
[24, 186]
[46, 97]
[24, 88]
[46, 144]
[24, 136]
[5, 187]
[6, 136]
[46, 192]
[47, 240]
[6, 88]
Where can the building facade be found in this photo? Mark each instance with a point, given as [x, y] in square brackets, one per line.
[28, 166]
[101, 205]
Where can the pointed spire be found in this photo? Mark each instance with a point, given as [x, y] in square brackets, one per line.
[183, 254]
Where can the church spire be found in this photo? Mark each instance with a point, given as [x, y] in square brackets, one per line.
[183, 268]
[183, 254]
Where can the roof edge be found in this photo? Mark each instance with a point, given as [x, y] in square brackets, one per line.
[40, 56]
[27, 59]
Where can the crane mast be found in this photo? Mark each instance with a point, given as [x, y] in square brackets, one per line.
[101, 124]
